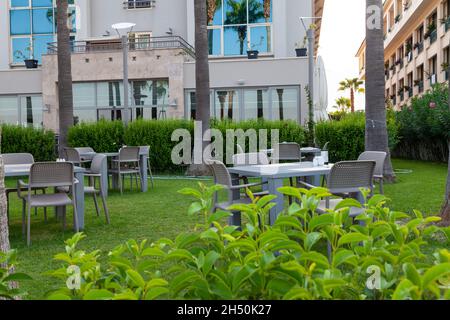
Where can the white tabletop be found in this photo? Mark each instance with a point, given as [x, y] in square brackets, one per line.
[282, 170]
[20, 170]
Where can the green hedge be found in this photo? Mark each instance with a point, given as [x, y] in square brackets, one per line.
[347, 137]
[109, 136]
[424, 127]
[38, 142]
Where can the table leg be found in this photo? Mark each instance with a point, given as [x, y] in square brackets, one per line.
[235, 219]
[314, 180]
[104, 179]
[274, 184]
[79, 198]
[144, 172]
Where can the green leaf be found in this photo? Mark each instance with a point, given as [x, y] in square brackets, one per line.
[194, 208]
[17, 277]
[403, 290]
[218, 215]
[352, 238]
[136, 278]
[156, 283]
[311, 240]
[59, 296]
[153, 252]
[348, 203]
[412, 274]
[210, 259]
[435, 273]
[98, 294]
[154, 293]
[320, 221]
[376, 200]
[344, 256]
[297, 293]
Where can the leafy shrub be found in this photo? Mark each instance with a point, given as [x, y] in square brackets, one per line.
[17, 139]
[9, 288]
[284, 261]
[424, 126]
[346, 137]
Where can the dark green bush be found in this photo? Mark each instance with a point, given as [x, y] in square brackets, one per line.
[424, 126]
[347, 136]
[110, 136]
[38, 142]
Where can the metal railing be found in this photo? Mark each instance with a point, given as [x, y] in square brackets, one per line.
[139, 4]
[433, 36]
[153, 43]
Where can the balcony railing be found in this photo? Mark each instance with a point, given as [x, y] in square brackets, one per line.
[419, 47]
[410, 92]
[139, 4]
[447, 24]
[433, 37]
[154, 43]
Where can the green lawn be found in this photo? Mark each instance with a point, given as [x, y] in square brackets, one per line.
[162, 213]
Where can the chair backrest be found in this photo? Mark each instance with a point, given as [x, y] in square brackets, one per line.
[144, 150]
[350, 176]
[246, 159]
[239, 148]
[220, 172]
[51, 174]
[378, 156]
[85, 150]
[287, 151]
[72, 155]
[98, 163]
[325, 146]
[130, 154]
[17, 158]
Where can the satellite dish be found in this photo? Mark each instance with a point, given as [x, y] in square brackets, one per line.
[123, 25]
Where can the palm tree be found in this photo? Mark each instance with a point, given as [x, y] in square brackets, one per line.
[446, 208]
[4, 236]
[354, 85]
[238, 15]
[65, 93]
[343, 104]
[376, 124]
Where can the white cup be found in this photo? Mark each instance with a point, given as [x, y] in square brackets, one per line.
[324, 155]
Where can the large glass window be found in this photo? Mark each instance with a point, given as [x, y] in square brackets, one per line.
[31, 111]
[104, 100]
[235, 26]
[32, 26]
[9, 113]
[271, 103]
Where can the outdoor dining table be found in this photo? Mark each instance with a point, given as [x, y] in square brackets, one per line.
[23, 170]
[274, 174]
[303, 151]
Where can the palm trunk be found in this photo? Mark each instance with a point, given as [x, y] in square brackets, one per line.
[65, 94]
[445, 215]
[4, 232]
[201, 80]
[376, 125]
[352, 99]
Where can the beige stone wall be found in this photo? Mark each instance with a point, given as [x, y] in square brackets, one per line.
[106, 66]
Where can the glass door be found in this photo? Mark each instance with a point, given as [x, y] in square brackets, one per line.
[30, 110]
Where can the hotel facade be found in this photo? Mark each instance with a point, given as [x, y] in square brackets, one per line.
[416, 48]
[161, 60]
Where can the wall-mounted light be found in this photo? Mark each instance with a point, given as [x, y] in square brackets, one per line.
[173, 103]
[240, 82]
[46, 108]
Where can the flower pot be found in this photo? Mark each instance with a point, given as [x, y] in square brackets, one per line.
[301, 52]
[31, 63]
[252, 54]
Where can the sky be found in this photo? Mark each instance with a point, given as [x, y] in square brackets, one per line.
[342, 32]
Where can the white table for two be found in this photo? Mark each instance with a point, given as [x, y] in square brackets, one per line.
[274, 174]
[23, 170]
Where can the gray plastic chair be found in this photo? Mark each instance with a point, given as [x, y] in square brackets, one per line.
[20, 158]
[287, 151]
[379, 157]
[85, 150]
[146, 151]
[127, 163]
[72, 155]
[99, 162]
[347, 178]
[223, 177]
[48, 175]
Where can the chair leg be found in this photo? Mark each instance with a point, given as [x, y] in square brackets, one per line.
[29, 226]
[137, 182]
[381, 186]
[150, 171]
[35, 209]
[7, 206]
[120, 184]
[45, 208]
[96, 204]
[64, 214]
[24, 207]
[105, 208]
[75, 215]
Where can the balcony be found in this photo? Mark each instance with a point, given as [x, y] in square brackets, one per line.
[402, 96]
[446, 23]
[419, 84]
[419, 47]
[107, 45]
[433, 36]
[410, 92]
[139, 4]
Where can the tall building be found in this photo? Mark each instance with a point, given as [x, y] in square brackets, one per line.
[160, 61]
[416, 47]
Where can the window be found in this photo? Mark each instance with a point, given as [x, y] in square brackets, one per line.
[432, 67]
[25, 110]
[139, 4]
[237, 104]
[9, 113]
[235, 26]
[104, 100]
[32, 26]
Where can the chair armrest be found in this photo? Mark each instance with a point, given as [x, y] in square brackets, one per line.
[76, 181]
[21, 185]
[248, 185]
[307, 185]
[92, 174]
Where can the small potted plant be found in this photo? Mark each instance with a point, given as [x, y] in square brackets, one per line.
[444, 66]
[300, 48]
[251, 53]
[29, 61]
